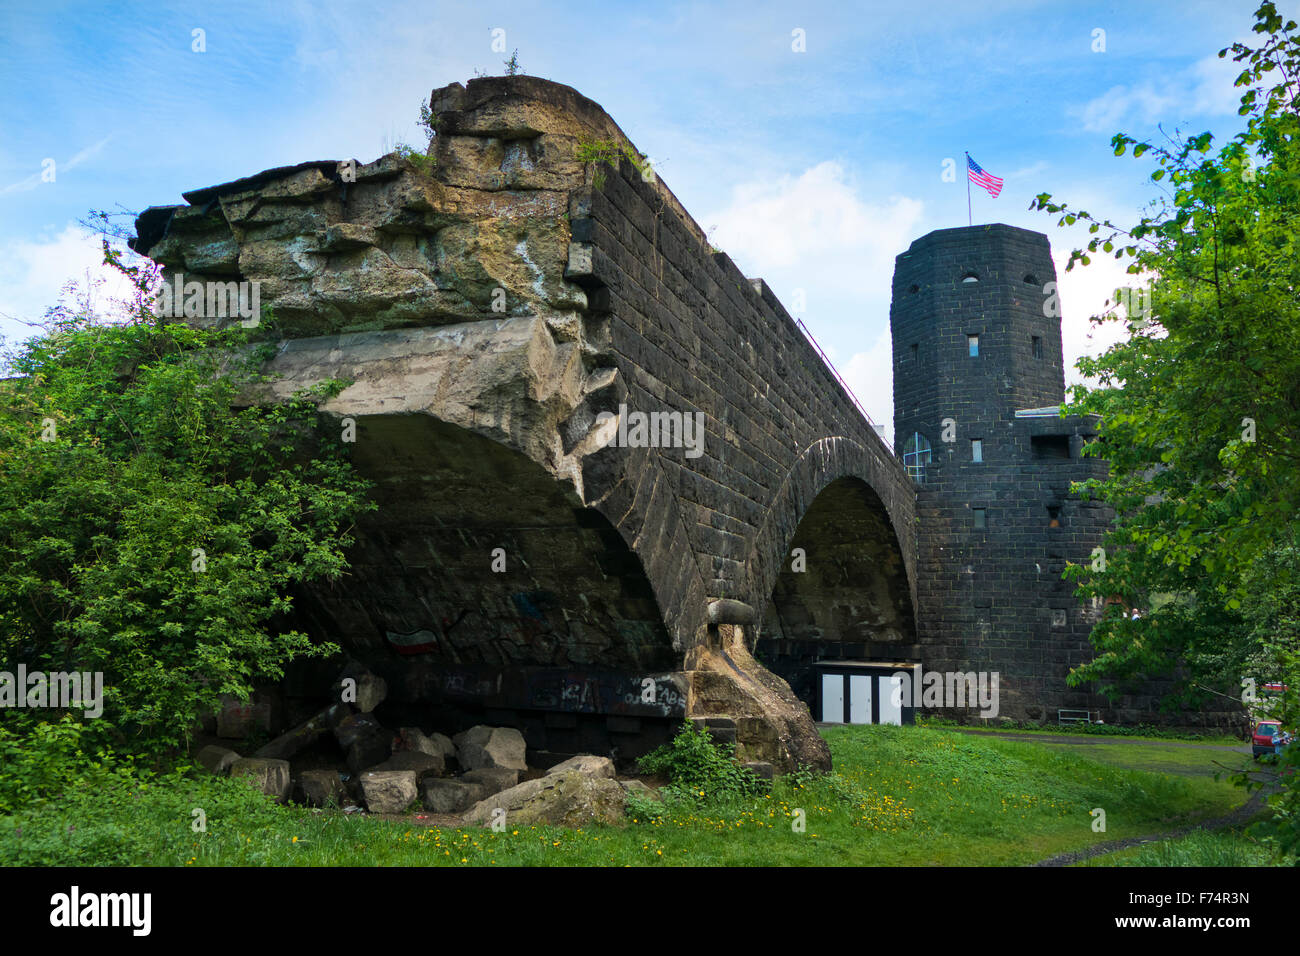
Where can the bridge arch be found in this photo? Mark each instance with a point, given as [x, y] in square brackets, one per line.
[839, 581]
[822, 463]
[484, 590]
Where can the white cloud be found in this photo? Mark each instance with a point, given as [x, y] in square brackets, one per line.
[814, 233]
[792, 223]
[819, 244]
[1202, 90]
[1085, 292]
[871, 376]
[1119, 105]
[23, 185]
[1212, 86]
[33, 273]
[1036, 168]
[87, 153]
[34, 180]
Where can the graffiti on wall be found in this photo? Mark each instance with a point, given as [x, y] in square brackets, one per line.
[567, 690]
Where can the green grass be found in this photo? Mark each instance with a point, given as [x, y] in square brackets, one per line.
[900, 796]
[1095, 731]
[1226, 848]
[1160, 757]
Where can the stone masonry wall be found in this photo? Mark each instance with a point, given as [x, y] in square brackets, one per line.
[514, 290]
[691, 334]
[992, 598]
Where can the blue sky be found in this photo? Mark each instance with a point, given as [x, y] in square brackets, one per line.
[812, 169]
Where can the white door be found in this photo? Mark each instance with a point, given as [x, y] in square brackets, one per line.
[833, 698]
[891, 712]
[860, 687]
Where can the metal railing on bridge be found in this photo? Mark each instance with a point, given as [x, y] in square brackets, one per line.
[840, 378]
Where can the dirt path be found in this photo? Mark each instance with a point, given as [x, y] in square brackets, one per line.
[1237, 817]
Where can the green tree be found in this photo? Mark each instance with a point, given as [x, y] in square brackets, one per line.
[1200, 407]
[1201, 418]
[152, 526]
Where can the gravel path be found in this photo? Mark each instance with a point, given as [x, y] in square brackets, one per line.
[1237, 817]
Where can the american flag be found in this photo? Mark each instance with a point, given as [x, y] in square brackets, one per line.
[980, 178]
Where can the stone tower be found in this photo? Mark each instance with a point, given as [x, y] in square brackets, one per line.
[978, 381]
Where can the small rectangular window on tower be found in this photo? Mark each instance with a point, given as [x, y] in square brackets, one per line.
[981, 520]
[973, 343]
[916, 352]
[976, 449]
[1038, 346]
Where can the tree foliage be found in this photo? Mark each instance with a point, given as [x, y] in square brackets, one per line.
[152, 525]
[1201, 414]
[1200, 409]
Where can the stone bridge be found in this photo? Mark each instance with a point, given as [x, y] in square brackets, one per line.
[612, 474]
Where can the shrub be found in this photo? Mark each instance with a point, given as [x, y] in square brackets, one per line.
[699, 768]
[152, 526]
[50, 759]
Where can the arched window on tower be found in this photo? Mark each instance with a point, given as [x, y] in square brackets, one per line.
[916, 456]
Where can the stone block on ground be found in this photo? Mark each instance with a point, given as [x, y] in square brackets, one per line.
[444, 795]
[364, 740]
[444, 743]
[291, 743]
[484, 746]
[269, 776]
[422, 763]
[570, 799]
[361, 688]
[321, 788]
[492, 779]
[390, 791]
[721, 729]
[640, 788]
[761, 769]
[352, 788]
[216, 759]
[412, 738]
[586, 763]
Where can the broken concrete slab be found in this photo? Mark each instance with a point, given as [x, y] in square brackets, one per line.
[484, 746]
[321, 788]
[291, 743]
[444, 795]
[390, 791]
[570, 799]
[492, 779]
[364, 740]
[216, 759]
[421, 763]
[586, 763]
[269, 776]
[412, 738]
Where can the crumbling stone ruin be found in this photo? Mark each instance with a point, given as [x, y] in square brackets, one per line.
[482, 770]
[531, 326]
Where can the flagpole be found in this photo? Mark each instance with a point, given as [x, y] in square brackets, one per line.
[969, 219]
